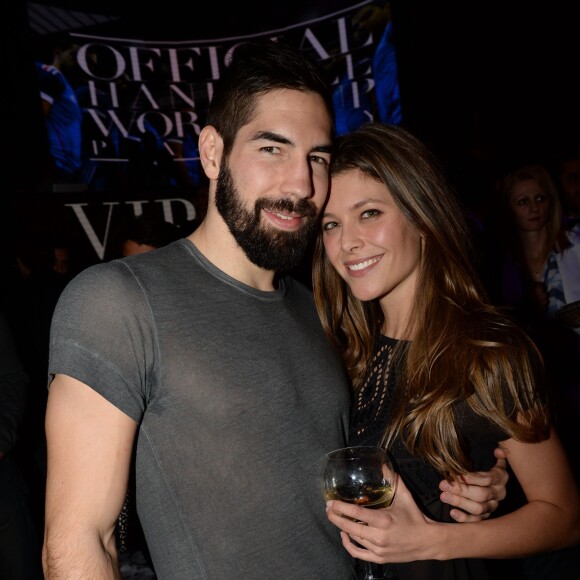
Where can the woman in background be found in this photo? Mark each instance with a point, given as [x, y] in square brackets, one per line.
[541, 266]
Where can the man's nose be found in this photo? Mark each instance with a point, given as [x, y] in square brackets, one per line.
[298, 179]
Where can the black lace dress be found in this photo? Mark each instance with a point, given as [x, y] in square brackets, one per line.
[370, 415]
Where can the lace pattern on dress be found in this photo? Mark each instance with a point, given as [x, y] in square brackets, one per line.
[372, 401]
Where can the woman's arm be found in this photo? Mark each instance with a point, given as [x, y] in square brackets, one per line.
[402, 533]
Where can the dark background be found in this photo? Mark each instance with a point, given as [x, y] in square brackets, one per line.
[489, 81]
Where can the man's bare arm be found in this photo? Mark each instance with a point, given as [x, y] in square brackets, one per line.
[90, 445]
[477, 494]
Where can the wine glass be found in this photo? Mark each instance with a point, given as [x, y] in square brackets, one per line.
[364, 476]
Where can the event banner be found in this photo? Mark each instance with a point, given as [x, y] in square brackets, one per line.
[123, 112]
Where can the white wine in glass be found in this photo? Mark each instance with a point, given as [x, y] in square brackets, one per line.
[363, 476]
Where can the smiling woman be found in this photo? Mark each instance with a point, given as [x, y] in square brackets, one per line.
[441, 377]
[372, 245]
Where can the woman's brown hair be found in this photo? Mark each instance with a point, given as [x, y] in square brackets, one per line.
[462, 348]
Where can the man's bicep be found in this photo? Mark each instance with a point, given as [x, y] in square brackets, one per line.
[90, 445]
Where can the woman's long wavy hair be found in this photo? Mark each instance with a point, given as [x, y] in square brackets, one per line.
[462, 348]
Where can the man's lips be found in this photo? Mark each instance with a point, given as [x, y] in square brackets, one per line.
[284, 220]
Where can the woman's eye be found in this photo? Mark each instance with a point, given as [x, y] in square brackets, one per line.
[541, 198]
[370, 213]
[522, 201]
[328, 226]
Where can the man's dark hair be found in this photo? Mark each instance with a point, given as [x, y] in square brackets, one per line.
[257, 68]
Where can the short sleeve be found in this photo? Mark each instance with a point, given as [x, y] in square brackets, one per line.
[103, 335]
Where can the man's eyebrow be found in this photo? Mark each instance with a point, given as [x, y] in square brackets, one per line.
[323, 148]
[277, 138]
[271, 136]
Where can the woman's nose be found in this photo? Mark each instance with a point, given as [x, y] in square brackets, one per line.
[350, 240]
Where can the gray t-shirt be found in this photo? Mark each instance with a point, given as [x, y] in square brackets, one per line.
[238, 395]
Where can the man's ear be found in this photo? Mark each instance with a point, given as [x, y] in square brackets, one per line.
[210, 151]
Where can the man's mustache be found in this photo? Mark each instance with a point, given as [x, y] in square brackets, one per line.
[301, 207]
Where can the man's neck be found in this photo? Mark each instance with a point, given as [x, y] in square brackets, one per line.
[214, 240]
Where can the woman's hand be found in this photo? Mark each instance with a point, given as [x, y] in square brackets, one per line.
[477, 495]
[399, 533]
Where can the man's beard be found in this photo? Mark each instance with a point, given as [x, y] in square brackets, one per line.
[268, 248]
